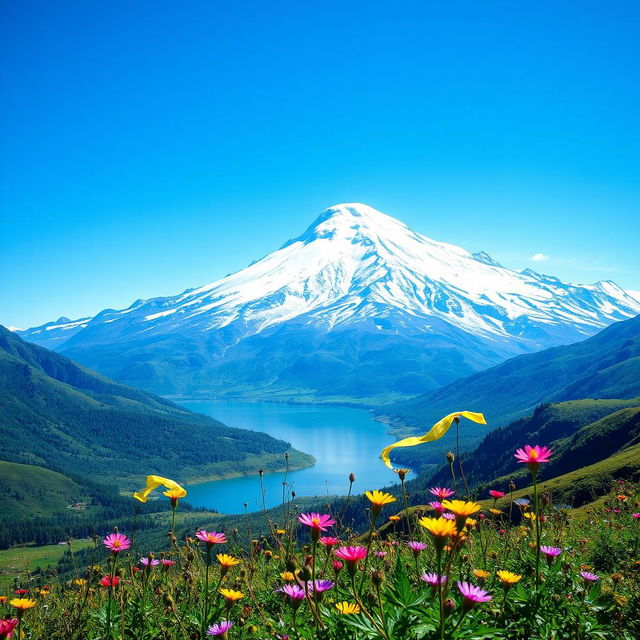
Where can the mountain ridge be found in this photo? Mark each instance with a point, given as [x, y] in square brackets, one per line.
[356, 287]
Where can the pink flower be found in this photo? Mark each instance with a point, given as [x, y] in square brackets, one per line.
[220, 628]
[533, 456]
[448, 516]
[589, 577]
[294, 591]
[496, 494]
[7, 626]
[381, 554]
[116, 542]
[472, 595]
[434, 504]
[433, 579]
[416, 547]
[316, 521]
[441, 492]
[149, 563]
[337, 566]
[550, 552]
[211, 537]
[351, 555]
[329, 541]
[635, 515]
[167, 563]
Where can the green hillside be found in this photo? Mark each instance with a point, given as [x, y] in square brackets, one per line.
[58, 415]
[29, 491]
[580, 433]
[604, 366]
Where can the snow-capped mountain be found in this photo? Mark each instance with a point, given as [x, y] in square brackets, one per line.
[357, 305]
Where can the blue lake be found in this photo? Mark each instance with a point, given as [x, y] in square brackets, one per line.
[341, 439]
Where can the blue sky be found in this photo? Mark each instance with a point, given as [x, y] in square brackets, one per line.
[148, 147]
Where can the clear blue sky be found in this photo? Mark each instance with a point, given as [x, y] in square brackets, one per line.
[147, 147]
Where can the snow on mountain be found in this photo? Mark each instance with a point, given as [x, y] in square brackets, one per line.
[354, 271]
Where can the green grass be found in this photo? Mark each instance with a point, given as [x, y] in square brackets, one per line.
[19, 560]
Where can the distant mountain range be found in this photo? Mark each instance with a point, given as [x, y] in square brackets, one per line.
[358, 306]
[58, 415]
[606, 365]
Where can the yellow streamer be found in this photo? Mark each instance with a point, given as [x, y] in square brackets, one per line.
[155, 481]
[436, 432]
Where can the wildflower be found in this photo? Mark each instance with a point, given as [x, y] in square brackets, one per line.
[79, 582]
[481, 574]
[533, 457]
[231, 596]
[472, 595]
[22, 604]
[116, 542]
[107, 581]
[348, 608]
[635, 515]
[167, 564]
[439, 528]
[329, 541]
[149, 562]
[448, 515]
[3, 599]
[21, 592]
[437, 507]
[496, 494]
[211, 537]
[175, 491]
[496, 512]
[416, 547]
[397, 518]
[441, 492]
[521, 502]
[319, 586]
[294, 592]
[589, 577]
[381, 554]
[351, 555]
[281, 532]
[508, 579]
[462, 510]
[225, 560]
[433, 579]
[220, 629]
[529, 515]
[550, 552]
[287, 576]
[316, 522]
[378, 499]
[7, 627]
[622, 497]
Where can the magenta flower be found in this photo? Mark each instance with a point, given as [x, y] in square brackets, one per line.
[320, 585]
[448, 516]
[351, 554]
[149, 563]
[432, 579]
[550, 552]
[380, 554]
[496, 494]
[416, 547]
[589, 577]
[211, 537]
[337, 565]
[167, 563]
[441, 492]
[533, 456]
[635, 515]
[220, 628]
[294, 591]
[7, 627]
[329, 541]
[472, 595]
[437, 506]
[116, 542]
[320, 522]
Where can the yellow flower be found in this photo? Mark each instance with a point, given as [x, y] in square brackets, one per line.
[230, 595]
[44, 592]
[439, 528]
[394, 518]
[481, 574]
[174, 494]
[347, 607]
[287, 576]
[471, 522]
[153, 482]
[226, 560]
[281, 532]
[378, 499]
[508, 578]
[80, 582]
[496, 512]
[3, 599]
[22, 603]
[461, 508]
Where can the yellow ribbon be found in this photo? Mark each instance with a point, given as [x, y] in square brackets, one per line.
[155, 481]
[436, 432]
